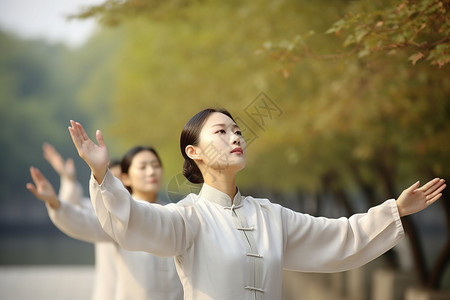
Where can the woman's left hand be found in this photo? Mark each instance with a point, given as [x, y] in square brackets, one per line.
[415, 199]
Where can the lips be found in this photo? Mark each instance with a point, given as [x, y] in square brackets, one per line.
[152, 180]
[237, 150]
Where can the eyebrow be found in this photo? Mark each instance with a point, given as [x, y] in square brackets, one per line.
[224, 125]
[144, 162]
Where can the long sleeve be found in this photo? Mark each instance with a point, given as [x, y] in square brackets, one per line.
[79, 222]
[76, 216]
[135, 225]
[332, 245]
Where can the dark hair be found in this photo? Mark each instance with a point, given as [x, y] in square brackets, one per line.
[127, 159]
[114, 162]
[191, 136]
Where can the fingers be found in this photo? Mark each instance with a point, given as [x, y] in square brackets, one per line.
[429, 184]
[36, 175]
[437, 191]
[78, 134]
[70, 163]
[81, 131]
[76, 138]
[436, 185]
[49, 150]
[70, 166]
[100, 140]
[434, 199]
[31, 188]
[414, 186]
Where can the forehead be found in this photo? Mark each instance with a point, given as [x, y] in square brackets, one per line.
[144, 156]
[219, 118]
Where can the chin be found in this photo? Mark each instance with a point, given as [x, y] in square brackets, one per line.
[154, 188]
[237, 166]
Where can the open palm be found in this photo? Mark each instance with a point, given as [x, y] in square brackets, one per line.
[96, 156]
[63, 168]
[415, 199]
[42, 188]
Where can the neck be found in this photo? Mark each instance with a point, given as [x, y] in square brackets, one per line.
[222, 182]
[149, 197]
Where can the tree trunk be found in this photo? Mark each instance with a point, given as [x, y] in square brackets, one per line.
[408, 224]
[370, 194]
[331, 183]
[443, 260]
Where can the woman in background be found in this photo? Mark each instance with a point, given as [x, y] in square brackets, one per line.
[120, 274]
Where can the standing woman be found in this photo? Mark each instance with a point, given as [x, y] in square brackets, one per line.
[120, 274]
[142, 175]
[73, 214]
[229, 246]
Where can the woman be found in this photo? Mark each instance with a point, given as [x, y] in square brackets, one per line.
[228, 246]
[72, 214]
[120, 274]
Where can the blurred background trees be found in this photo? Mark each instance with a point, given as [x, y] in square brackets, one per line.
[362, 90]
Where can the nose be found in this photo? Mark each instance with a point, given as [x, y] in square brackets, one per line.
[150, 170]
[236, 140]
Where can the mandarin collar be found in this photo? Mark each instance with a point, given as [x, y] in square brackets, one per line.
[219, 197]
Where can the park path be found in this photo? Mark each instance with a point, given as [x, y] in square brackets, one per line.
[46, 282]
[71, 282]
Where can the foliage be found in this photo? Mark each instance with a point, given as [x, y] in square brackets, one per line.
[39, 86]
[422, 27]
[419, 28]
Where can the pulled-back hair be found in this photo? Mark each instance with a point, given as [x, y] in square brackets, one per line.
[191, 136]
[127, 159]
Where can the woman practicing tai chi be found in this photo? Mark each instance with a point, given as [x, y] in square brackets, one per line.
[119, 274]
[229, 246]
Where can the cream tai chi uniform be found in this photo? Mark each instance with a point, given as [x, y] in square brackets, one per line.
[73, 214]
[238, 251]
[120, 274]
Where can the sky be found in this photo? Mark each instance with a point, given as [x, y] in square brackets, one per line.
[46, 19]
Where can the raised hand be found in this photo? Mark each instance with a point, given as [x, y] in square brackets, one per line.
[415, 199]
[42, 188]
[96, 156]
[63, 168]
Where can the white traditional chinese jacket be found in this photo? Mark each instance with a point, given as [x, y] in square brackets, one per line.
[238, 251]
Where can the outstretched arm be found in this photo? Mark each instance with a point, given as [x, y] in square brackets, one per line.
[96, 156]
[415, 199]
[65, 169]
[42, 188]
[70, 190]
[76, 221]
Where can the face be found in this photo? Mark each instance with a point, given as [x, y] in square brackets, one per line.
[221, 145]
[145, 173]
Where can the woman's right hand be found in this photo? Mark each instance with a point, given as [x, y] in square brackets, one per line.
[42, 188]
[96, 156]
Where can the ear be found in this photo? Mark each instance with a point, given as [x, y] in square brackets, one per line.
[192, 152]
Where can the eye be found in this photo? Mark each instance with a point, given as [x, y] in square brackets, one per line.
[156, 165]
[238, 132]
[220, 131]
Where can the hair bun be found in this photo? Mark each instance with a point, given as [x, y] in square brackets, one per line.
[192, 172]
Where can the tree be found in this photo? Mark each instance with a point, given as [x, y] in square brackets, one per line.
[40, 84]
[410, 103]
